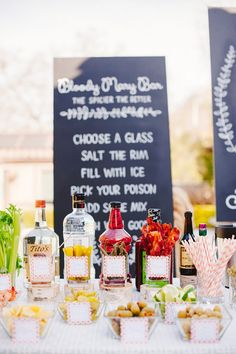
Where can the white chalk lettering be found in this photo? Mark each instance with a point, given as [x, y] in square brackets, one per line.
[101, 100]
[140, 189]
[108, 83]
[65, 85]
[79, 100]
[89, 173]
[82, 139]
[92, 207]
[108, 190]
[98, 225]
[122, 99]
[106, 207]
[89, 155]
[114, 172]
[138, 206]
[87, 190]
[140, 99]
[138, 154]
[117, 138]
[119, 155]
[140, 137]
[136, 224]
[137, 171]
[144, 84]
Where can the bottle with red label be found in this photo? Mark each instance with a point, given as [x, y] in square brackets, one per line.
[115, 244]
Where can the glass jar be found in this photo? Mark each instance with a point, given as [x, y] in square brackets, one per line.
[156, 265]
[209, 290]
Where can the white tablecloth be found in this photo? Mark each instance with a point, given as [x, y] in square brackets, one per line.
[97, 338]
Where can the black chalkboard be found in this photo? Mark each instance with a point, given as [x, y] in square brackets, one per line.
[111, 139]
[223, 66]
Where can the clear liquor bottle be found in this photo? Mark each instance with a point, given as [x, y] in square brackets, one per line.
[41, 241]
[79, 227]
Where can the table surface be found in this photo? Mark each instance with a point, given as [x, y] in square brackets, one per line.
[97, 338]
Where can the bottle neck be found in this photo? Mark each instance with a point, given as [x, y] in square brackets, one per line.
[188, 226]
[40, 217]
[202, 232]
[115, 219]
[78, 206]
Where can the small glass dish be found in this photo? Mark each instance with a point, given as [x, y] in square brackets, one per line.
[44, 312]
[78, 296]
[201, 312]
[114, 320]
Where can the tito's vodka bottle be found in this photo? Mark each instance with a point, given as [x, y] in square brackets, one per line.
[188, 273]
[41, 242]
[79, 227]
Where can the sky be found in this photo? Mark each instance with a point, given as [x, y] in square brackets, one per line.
[177, 29]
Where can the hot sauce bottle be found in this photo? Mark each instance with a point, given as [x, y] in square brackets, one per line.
[115, 242]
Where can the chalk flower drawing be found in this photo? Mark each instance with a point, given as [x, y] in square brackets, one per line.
[225, 128]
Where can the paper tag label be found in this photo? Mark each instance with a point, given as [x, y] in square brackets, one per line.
[171, 310]
[39, 250]
[158, 267]
[25, 330]
[79, 313]
[5, 282]
[77, 266]
[40, 269]
[114, 266]
[134, 330]
[205, 330]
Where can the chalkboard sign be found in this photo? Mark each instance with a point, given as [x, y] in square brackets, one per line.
[223, 66]
[111, 139]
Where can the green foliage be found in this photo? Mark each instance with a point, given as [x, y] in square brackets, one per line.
[9, 240]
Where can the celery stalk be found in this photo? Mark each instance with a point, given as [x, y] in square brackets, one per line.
[13, 249]
[2, 257]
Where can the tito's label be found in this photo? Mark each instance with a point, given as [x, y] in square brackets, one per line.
[185, 260]
[40, 250]
[36, 250]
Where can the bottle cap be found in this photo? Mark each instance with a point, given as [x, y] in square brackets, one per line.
[188, 214]
[77, 197]
[155, 214]
[115, 204]
[153, 211]
[40, 203]
[202, 226]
